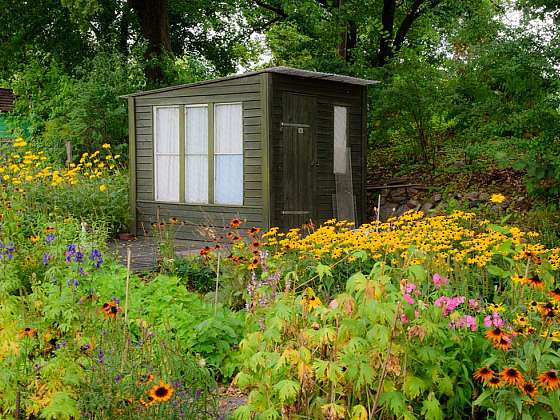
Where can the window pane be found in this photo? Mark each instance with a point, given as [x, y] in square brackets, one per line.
[196, 179]
[167, 176]
[228, 129]
[196, 130]
[340, 140]
[167, 130]
[228, 179]
[166, 143]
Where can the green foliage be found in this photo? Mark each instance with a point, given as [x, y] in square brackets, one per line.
[196, 274]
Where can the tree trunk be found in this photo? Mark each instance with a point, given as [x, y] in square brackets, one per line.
[154, 24]
[387, 21]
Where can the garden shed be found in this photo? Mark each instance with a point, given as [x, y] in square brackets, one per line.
[276, 147]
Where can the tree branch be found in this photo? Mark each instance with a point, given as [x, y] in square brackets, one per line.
[279, 11]
[414, 13]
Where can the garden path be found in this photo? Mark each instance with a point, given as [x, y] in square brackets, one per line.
[143, 252]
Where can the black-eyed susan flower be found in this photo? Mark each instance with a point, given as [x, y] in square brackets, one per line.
[309, 300]
[512, 376]
[535, 282]
[529, 388]
[27, 332]
[161, 392]
[254, 231]
[483, 374]
[494, 382]
[146, 378]
[235, 223]
[549, 380]
[555, 295]
[504, 343]
[521, 320]
[148, 402]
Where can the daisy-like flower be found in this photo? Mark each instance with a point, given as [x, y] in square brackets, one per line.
[146, 378]
[497, 198]
[310, 300]
[204, 251]
[555, 295]
[27, 332]
[512, 377]
[495, 307]
[173, 220]
[484, 374]
[254, 264]
[148, 402]
[235, 223]
[504, 343]
[521, 320]
[494, 382]
[254, 231]
[161, 392]
[110, 309]
[533, 305]
[535, 282]
[495, 334]
[549, 380]
[529, 389]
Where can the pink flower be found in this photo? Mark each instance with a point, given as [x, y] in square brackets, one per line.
[473, 304]
[439, 280]
[407, 288]
[471, 322]
[493, 320]
[404, 319]
[408, 299]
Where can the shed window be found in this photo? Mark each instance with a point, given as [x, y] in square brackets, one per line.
[167, 154]
[340, 139]
[228, 154]
[196, 154]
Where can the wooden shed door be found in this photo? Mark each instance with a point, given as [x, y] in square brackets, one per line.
[298, 138]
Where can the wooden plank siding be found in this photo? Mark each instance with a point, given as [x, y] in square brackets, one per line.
[328, 94]
[248, 91]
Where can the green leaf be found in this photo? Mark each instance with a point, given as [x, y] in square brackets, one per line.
[287, 390]
[323, 270]
[62, 406]
[244, 412]
[413, 386]
[485, 394]
[418, 272]
[431, 408]
[497, 271]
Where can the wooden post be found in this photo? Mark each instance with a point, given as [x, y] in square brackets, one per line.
[68, 146]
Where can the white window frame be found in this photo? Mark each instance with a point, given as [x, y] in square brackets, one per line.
[242, 154]
[185, 139]
[156, 154]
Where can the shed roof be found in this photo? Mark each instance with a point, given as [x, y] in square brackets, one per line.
[280, 70]
[7, 100]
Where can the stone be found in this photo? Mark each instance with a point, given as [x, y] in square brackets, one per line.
[413, 204]
[426, 207]
[474, 204]
[437, 197]
[473, 196]
[412, 191]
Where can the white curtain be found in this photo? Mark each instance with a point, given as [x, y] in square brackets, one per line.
[340, 139]
[196, 154]
[228, 154]
[167, 154]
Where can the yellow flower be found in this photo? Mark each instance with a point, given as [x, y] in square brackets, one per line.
[103, 188]
[309, 300]
[497, 198]
[106, 146]
[495, 307]
[117, 156]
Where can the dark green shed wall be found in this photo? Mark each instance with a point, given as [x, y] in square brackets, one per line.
[201, 220]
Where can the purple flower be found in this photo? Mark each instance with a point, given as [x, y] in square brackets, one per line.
[46, 258]
[117, 378]
[60, 344]
[72, 283]
[79, 257]
[49, 238]
[100, 356]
